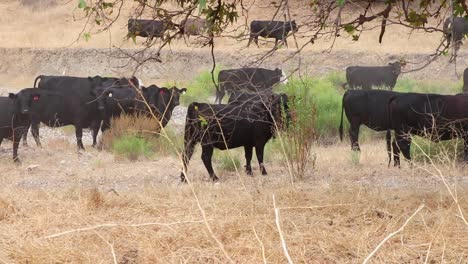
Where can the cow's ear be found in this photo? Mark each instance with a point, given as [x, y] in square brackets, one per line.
[12, 96]
[183, 90]
[144, 89]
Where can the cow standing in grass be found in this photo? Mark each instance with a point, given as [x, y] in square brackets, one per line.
[230, 126]
[250, 81]
[366, 77]
[78, 103]
[15, 116]
[369, 108]
[433, 116]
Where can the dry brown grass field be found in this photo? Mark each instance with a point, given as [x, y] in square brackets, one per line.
[60, 206]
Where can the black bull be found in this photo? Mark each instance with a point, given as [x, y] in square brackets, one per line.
[369, 108]
[433, 116]
[230, 126]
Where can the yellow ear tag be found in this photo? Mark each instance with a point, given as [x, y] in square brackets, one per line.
[196, 107]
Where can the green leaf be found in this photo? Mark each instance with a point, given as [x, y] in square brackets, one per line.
[86, 36]
[134, 39]
[349, 28]
[355, 37]
[202, 120]
[340, 2]
[201, 5]
[82, 4]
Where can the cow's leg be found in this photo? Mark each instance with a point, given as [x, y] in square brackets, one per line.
[248, 158]
[276, 42]
[403, 145]
[354, 136]
[259, 152]
[250, 40]
[25, 135]
[285, 42]
[256, 41]
[207, 153]
[79, 136]
[17, 134]
[35, 133]
[396, 154]
[95, 131]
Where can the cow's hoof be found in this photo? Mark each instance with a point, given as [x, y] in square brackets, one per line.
[214, 178]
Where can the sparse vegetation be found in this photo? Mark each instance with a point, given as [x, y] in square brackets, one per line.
[201, 88]
[229, 161]
[132, 147]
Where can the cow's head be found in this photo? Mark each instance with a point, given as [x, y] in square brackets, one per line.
[150, 96]
[25, 99]
[283, 78]
[396, 67]
[293, 25]
[169, 97]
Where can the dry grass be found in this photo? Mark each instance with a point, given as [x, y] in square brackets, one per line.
[140, 213]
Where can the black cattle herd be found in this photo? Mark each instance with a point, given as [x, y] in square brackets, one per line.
[250, 118]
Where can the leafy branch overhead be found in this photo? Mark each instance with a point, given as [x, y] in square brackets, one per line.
[319, 19]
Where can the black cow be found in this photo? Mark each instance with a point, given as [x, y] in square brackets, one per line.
[248, 80]
[434, 116]
[230, 126]
[366, 107]
[14, 116]
[367, 77]
[455, 30]
[465, 80]
[150, 101]
[278, 30]
[196, 27]
[148, 28]
[78, 103]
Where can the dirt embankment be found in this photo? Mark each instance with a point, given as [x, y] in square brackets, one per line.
[20, 65]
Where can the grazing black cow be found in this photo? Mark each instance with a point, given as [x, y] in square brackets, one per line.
[78, 103]
[14, 117]
[455, 30]
[248, 80]
[465, 80]
[148, 28]
[367, 77]
[230, 126]
[433, 116]
[196, 27]
[366, 107]
[278, 30]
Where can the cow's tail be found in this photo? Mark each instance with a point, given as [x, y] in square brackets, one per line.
[388, 136]
[341, 122]
[192, 135]
[36, 80]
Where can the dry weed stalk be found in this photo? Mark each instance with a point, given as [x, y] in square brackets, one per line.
[441, 175]
[392, 234]
[92, 228]
[278, 225]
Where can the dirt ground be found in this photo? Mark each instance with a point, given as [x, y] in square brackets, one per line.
[61, 206]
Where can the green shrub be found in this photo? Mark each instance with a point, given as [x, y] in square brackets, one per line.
[324, 96]
[444, 151]
[228, 160]
[132, 147]
[406, 85]
[201, 88]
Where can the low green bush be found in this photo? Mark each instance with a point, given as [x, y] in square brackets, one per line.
[132, 147]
